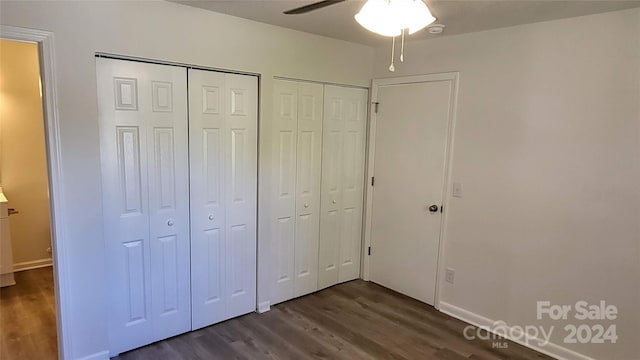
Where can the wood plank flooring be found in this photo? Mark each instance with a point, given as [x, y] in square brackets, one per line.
[28, 317]
[354, 320]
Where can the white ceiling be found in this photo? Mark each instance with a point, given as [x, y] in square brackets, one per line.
[459, 16]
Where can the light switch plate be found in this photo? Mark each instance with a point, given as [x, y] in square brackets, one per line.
[457, 190]
[450, 275]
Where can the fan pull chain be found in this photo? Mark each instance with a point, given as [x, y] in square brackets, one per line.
[402, 48]
[393, 48]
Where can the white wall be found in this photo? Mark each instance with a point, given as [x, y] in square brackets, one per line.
[165, 31]
[547, 146]
[23, 166]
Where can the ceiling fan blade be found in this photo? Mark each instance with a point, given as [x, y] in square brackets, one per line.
[311, 7]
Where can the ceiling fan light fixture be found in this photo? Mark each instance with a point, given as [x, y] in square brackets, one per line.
[390, 17]
[376, 17]
[393, 18]
[419, 16]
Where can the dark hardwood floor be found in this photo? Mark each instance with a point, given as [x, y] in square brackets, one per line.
[354, 320]
[28, 317]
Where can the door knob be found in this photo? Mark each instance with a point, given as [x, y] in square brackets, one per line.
[433, 208]
[211, 217]
[170, 222]
[306, 205]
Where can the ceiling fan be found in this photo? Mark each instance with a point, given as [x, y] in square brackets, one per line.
[384, 17]
[311, 7]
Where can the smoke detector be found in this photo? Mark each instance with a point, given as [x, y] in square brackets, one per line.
[435, 29]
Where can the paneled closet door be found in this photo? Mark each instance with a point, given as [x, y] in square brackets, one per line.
[283, 212]
[344, 129]
[309, 161]
[223, 167]
[143, 130]
[297, 139]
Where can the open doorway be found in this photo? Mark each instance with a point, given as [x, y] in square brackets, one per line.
[27, 300]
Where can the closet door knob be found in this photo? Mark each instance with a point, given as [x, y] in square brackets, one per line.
[306, 205]
[334, 201]
[211, 217]
[170, 222]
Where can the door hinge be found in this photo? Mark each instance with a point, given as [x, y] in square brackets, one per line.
[373, 180]
[441, 208]
[375, 107]
[369, 251]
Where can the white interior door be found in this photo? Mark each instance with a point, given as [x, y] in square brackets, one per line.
[411, 138]
[241, 181]
[308, 160]
[283, 211]
[207, 144]
[143, 123]
[345, 111]
[223, 166]
[297, 134]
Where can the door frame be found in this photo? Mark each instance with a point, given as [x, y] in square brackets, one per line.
[45, 42]
[452, 77]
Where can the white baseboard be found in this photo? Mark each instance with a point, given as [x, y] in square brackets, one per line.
[7, 280]
[264, 306]
[551, 349]
[102, 355]
[30, 265]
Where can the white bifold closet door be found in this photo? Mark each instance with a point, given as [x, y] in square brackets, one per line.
[179, 195]
[343, 147]
[145, 175]
[223, 112]
[297, 144]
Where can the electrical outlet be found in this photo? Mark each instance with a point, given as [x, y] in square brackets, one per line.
[457, 190]
[450, 275]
